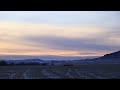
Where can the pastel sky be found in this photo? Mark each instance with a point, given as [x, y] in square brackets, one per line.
[63, 33]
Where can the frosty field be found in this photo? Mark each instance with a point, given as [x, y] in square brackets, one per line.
[60, 72]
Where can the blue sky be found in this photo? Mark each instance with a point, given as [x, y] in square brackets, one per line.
[64, 33]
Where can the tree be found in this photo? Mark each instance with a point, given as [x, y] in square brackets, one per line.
[3, 63]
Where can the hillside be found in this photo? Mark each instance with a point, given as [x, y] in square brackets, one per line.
[111, 58]
[115, 56]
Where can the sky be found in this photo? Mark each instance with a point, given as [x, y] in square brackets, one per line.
[60, 33]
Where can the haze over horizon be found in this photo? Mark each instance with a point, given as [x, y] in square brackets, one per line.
[59, 33]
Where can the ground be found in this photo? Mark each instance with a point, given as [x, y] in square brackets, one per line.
[99, 71]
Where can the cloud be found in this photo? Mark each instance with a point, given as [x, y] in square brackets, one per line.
[55, 39]
[21, 29]
[71, 44]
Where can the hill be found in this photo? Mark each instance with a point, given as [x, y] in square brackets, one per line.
[108, 58]
[112, 58]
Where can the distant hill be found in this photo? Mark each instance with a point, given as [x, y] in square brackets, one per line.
[112, 58]
[39, 61]
[108, 58]
[43, 57]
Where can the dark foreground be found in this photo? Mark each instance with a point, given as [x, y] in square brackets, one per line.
[103, 71]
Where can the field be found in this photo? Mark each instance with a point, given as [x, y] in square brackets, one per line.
[61, 72]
